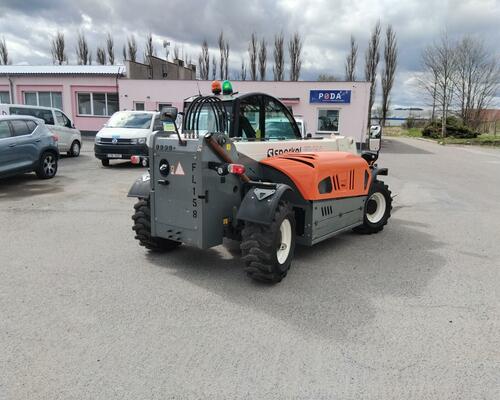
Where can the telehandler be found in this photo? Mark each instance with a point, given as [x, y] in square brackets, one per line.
[240, 169]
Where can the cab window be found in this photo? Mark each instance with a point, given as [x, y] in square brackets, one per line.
[278, 122]
[250, 118]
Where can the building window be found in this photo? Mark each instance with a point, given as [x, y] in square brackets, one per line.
[45, 99]
[139, 106]
[4, 98]
[328, 120]
[161, 105]
[98, 104]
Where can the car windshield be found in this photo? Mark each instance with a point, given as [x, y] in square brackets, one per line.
[130, 120]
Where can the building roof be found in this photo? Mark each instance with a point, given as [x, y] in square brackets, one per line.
[62, 69]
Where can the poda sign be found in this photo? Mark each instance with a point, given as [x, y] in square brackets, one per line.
[330, 96]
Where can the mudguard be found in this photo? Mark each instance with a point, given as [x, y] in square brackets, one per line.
[261, 202]
[141, 187]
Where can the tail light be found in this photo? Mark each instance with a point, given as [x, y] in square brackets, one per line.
[135, 159]
[236, 169]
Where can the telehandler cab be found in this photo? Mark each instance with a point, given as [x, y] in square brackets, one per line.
[235, 172]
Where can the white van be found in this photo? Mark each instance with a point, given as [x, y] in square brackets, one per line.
[126, 134]
[69, 138]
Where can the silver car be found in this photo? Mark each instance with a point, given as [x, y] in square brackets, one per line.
[27, 145]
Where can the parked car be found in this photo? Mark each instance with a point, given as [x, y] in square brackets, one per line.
[27, 145]
[70, 138]
[126, 134]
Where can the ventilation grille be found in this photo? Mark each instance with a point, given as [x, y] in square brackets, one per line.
[345, 182]
[326, 211]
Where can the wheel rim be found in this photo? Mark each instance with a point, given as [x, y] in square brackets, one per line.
[76, 149]
[49, 165]
[286, 241]
[376, 207]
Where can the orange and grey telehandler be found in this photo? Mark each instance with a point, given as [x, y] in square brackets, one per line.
[240, 169]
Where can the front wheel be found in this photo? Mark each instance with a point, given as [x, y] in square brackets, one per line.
[268, 250]
[74, 150]
[378, 208]
[142, 228]
[105, 162]
[47, 166]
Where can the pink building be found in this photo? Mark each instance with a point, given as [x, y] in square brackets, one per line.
[88, 94]
[325, 107]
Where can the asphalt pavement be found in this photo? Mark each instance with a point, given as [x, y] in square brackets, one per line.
[409, 313]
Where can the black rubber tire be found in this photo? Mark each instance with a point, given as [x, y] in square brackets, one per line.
[368, 227]
[71, 152]
[105, 162]
[142, 228]
[41, 171]
[259, 246]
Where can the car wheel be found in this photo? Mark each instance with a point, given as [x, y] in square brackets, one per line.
[47, 167]
[74, 150]
[105, 162]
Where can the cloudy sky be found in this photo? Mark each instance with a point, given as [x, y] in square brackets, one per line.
[325, 25]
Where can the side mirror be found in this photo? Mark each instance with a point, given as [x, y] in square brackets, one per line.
[375, 138]
[168, 114]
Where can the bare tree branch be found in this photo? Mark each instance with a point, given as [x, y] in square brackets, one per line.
[124, 52]
[279, 57]
[214, 68]
[177, 51]
[110, 47]
[204, 61]
[83, 55]
[132, 49]
[389, 71]
[57, 49]
[101, 56]
[243, 72]
[476, 80]
[440, 63]
[295, 52]
[220, 42]
[350, 62]
[262, 59]
[372, 57]
[226, 60]
[252, 53]
[150, 50]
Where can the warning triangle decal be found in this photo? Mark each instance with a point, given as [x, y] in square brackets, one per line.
[179, 170]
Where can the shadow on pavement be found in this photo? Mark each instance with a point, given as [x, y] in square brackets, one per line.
[335, 284]
[396, 147]
[27, 185]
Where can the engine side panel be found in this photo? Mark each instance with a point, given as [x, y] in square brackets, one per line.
[324, 175]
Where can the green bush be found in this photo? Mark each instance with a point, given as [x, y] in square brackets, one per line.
[454, 128]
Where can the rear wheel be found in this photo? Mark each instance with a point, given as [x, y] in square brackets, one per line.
[268, 250]
[142, 228]
[47, 167]
[105, 162]
[378, 208]
[74, 150]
